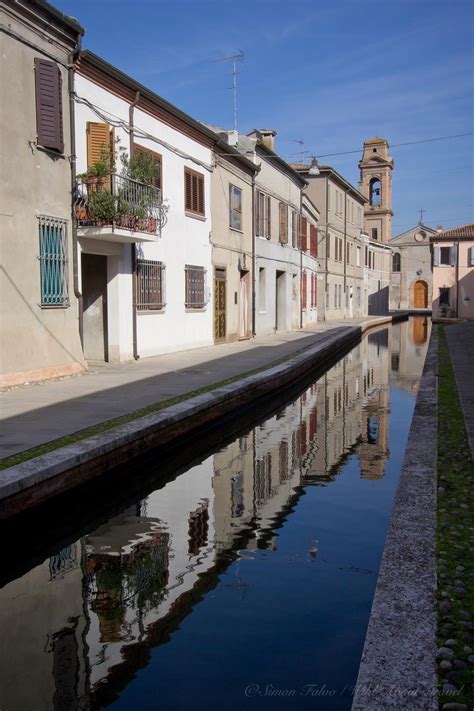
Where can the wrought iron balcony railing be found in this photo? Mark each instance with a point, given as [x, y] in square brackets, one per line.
[118, 201]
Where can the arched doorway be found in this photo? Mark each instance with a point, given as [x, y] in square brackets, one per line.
[420, 295]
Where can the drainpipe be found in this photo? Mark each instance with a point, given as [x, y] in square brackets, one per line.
[457, 279]
[254, 259]
[133, 245]
[301, 264]
[326, 251]
[72, 128]
[345, 252]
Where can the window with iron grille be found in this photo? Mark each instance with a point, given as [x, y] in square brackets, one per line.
[150, 285]
[195, 297]
[235, 211]
[54, 265]
[193, 192]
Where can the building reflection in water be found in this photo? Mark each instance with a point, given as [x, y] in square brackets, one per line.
[83, 622]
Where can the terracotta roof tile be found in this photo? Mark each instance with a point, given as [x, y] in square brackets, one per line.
[461, 231]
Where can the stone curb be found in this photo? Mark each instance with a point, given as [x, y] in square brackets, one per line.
[398, 666]
[30, 482]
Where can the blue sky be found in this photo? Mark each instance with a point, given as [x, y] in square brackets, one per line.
[329, 72]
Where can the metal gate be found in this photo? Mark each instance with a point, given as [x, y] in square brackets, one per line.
[219, 305]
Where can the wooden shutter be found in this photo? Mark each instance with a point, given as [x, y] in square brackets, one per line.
[452, 255]
[283, 223]
[49, 115]
[303, 290]
[200, 193]
[156, 182]
[471, 261]
[188, 191]
[268, 224]
[304, 234]
[98, 142]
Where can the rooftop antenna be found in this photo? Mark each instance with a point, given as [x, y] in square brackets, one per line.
[234, 59]
[301, 142]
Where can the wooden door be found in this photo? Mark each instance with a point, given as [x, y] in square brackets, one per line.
[420, 295]
[219, 305]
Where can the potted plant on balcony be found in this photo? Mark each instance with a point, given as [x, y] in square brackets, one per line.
[102, 207]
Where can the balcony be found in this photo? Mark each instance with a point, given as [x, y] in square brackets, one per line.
[117, 208]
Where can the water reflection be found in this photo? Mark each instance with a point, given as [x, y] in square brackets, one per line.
[85, 621]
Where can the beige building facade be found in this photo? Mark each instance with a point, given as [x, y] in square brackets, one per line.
[232, 244]
[39, 313]
[340, 243]
[411, 281]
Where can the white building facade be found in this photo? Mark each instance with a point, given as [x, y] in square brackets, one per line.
[146, 272]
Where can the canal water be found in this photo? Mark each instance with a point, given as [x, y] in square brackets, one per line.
[243, 582]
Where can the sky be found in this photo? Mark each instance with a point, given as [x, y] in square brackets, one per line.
[331, 73]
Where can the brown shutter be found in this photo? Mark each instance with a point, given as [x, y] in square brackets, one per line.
[200, 192]
[98, 141]
[304, 234]
[156, 182]
[188, 191]
[283, 223]
[49, 116]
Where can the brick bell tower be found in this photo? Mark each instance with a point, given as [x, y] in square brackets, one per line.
[376, 184]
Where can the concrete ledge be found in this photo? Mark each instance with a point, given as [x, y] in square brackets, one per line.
[31, 482]
[398, 667]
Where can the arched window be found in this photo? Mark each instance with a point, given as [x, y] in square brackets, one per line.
[375, 191]
[396, 262]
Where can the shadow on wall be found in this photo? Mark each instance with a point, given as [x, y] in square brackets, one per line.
[445, 303]
[378, 302]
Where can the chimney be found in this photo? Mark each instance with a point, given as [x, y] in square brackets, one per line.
[265, 136]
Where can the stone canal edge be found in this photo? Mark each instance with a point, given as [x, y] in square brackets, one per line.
[398, 666]
[31, 482]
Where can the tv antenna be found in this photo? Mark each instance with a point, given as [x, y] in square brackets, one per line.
[234, 59]
[301, 142]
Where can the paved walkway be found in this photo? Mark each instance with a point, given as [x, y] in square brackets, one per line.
[461, 346]
[39, 413]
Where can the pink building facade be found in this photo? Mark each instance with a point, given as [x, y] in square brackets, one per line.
[453, 272]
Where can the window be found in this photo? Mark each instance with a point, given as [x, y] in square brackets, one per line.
[335, 296]
[304, 234]
[348, 253]
[375, 233]
[445, 256]
[294, 228]
[366, 257]
[49, 112]
[283, 209]
[195, 287]
[150, 285]
[358, 257]
[235, 207]
[54, 266]
[396, 262]
[147, 154]
[327, 296]
[358, 292]
[444, 297]
[193, 192]
[263, 207]
[261, 289]
[340, 295]
[328, 246]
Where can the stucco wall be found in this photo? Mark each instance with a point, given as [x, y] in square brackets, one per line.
[183, 239]
[37, 342]
[461, 289]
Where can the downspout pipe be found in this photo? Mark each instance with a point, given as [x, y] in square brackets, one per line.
[457, 279]
[254, 260]
[133, 245]
[72, 57]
